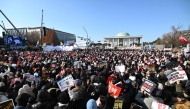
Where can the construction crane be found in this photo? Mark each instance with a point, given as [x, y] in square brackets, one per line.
[10, 22]
[30, 46]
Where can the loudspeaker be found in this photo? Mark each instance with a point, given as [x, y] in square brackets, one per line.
[44, 28]
[3, 33]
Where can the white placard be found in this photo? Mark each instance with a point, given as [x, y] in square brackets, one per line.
[157, 105]
[177, 75]
[77, 64]
[120, 68]
[65, 82]
[13, 65]
[29, 78]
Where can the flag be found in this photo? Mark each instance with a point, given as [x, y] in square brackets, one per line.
[149, 47]
[52, 44]
[183, 40]
[61, 43]
[72, 42]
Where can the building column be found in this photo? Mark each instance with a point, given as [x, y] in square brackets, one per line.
[112, 42]
[129, 41]
[123, 42]
[118, 42]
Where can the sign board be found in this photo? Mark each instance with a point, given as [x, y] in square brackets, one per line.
[65, 82]
[120, 68]
[29, 78]
[177, 75]
[158, 105]
[118, 104]
[102, 64]
[9, 104]
[114, 90]
[148, 86]
[77, 64]
[151, 67]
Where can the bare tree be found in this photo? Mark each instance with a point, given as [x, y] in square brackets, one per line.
[33, 37]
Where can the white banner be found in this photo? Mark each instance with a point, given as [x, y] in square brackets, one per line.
[177, 75]
[157, 105]
[65, 82]
[120, 68]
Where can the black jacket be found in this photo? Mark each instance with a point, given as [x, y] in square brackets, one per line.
[44, 105]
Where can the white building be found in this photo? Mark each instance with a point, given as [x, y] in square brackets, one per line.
[122, 39]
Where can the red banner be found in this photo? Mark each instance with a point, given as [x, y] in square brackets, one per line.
[114, 90]
[183, 40]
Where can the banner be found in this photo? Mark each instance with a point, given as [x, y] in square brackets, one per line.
[120, 68]
[114, 90]
[9, 104]
[65, 82]
[118, 104]
[157, 105]
[148, 86]
[177, 75]
[183, 40]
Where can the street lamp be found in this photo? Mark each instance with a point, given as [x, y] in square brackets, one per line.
[87, 37]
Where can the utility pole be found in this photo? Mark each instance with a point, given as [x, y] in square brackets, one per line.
[41, 29]
[87, 37]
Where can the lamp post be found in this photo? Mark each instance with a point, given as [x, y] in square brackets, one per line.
[87, 37]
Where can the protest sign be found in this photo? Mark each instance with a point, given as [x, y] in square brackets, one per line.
[118, 104]
[148, 86]
[158, 105]
[177, 75]
[29, 77]
[114, 90]
[102, 64]
[120, 68]
[77, 64]
[151, 67]
[65, 82]
[9, 104]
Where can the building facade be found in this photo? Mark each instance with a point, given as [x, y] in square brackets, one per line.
[122, 39]
[62, 36]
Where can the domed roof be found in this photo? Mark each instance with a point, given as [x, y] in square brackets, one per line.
[123, 34]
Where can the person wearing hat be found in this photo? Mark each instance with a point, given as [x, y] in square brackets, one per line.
[91, 104]
[147, 101]
[73, 92]
[63, 100]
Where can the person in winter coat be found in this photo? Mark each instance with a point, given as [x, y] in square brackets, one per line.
[22, 98]
[63, 100]
[72, 92]
[147, 102]
[44, 100]
[2, 95]
[124, 96]
[91, 104]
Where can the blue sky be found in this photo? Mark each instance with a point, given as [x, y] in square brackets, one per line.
[101, 18]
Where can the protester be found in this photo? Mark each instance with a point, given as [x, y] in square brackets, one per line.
[101, 78]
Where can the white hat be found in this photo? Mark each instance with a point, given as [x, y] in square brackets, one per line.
[21, 91]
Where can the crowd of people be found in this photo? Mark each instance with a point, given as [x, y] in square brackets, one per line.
[93, 79]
